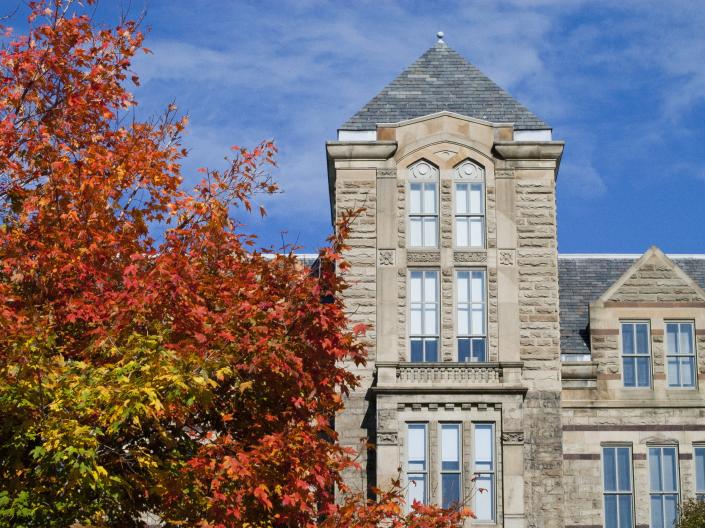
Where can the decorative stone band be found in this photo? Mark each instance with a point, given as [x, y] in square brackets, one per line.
[387, 438]
[658, 304]
[513, 437]
[386, 173]
[430, 406]
[636, 427]
[420, 373]
[469, 257]
[581, 456]
[423, 257]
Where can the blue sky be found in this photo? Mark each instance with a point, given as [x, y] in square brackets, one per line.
[623, 83]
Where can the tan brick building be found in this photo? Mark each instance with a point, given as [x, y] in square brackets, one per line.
[568, 386]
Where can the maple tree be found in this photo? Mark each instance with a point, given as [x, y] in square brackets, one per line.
[188, 376]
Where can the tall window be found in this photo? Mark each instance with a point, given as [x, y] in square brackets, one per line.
[417, 463]
[680, 354]
[469, 205]
[450, 465]
[636, 354]
[699, 456]
[471, 310]
[663, 470]
[617, 487]
[484, 469]
[423, 329]
[423, 205]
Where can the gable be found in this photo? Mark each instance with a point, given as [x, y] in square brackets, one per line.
[654, 279]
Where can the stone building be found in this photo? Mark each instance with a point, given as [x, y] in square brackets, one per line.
[567, 386]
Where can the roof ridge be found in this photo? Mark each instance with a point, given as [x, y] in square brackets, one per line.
[441, 79]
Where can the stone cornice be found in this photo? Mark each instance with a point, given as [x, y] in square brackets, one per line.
[530, 150]
[360, 150]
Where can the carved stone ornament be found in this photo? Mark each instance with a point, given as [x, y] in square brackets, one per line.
[387, 438]
[465, 257]
[468, 170]
[386, 173]
[386, 257]
[446, 153]
[423, 257]
[506, 258]
[513, 437]
[423, 170]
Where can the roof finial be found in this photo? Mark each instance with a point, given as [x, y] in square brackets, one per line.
[440, 36]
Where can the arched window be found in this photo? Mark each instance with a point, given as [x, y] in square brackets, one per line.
[423, 205]
[469, 205]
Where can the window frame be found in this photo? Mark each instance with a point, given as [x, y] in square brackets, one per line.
[423, 216]
[459, 470]
[456, 315]
[423, 337]
[468, 216]
[617, 493]
[668, 355]
[699, 492]
[492, 473]
[661, 492]
[635, 355]
[425, 472]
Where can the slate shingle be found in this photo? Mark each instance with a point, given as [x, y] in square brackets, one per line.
[582, 281]
[442, 80]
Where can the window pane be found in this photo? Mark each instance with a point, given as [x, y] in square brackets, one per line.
[628, 338]
[609, 465]
[478, 321]
[463, 350]
[672, 338]
[430, 286]
[642, 370]
[624, 469]
[611, 511]
[670, 509]
[476, 233]
[625, 511]
[463, 286]
[431, 350]
[656, 512]
[673, 372]
[476, 199]
[415, 326]
[669, 469]
[478, 350]
[450, 447]
[700, 469]
[478, 287]
[463, 322]
[655, 468]
[416, 350]
[642, 338]
[417, 446]
[686, 339]
[462, 232]
[417, 489]
[483, 443]
[415, 228]
[430, 320]
[461, 198]
[429, 198]
[687, 371]
[429, 232]
[484, 501]
[450, 492]
[629, 371]
[415, 198]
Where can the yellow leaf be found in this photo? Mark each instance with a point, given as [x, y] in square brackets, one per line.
[245, 385]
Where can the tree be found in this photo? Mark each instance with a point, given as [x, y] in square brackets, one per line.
[190, 375]
[691, 514]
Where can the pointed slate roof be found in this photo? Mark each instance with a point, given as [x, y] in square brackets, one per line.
[441, 79]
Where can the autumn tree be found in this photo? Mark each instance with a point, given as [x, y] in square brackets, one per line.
[187, 376]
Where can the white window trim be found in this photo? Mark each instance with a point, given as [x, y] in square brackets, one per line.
[426, 472]
[432, 177]
[631, 480]
[481, 178]
[438, 304]
[485, 314]
[441, 471]
[698, 493]
[649, 356]
[678, 475]
[694, 355]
